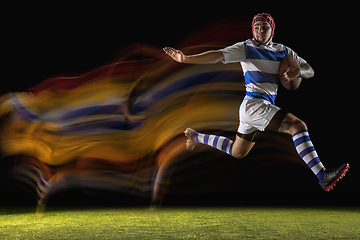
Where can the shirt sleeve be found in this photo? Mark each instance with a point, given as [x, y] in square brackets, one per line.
[291, 53]
[234, 53]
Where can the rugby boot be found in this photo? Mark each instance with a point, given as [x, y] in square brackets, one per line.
[190, 143]
[332, 176]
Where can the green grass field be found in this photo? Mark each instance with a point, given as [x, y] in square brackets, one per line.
[181, 223]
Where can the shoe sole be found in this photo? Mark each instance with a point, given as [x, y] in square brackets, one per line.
[341, 175]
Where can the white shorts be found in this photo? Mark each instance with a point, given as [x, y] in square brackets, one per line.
[255, 114]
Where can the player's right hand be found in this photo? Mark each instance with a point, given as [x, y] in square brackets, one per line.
[290, 74]
[177, 55]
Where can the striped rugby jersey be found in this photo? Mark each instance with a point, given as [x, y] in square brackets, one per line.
[260, 65]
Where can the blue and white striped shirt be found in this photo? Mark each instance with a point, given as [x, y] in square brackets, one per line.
[260, 65]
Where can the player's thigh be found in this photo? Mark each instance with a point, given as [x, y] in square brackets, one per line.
[276, 122]
[241, 147]
[286, 122]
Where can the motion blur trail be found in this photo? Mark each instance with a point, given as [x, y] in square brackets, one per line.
[120, 127]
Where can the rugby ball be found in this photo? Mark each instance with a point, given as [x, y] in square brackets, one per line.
[286, 63]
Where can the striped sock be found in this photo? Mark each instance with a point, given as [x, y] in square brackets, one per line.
[222, 143]
[307, 152]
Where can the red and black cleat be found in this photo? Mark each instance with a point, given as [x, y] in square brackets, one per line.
[332, 176]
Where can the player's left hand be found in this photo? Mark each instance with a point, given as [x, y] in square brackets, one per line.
[291, 74]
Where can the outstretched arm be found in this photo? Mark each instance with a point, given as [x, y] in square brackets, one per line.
[208, 57]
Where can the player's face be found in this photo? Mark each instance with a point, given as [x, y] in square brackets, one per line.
[262, 32]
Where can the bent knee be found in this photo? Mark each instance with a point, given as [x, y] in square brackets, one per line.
[299, 125]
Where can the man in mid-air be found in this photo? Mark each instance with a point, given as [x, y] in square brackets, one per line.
[260, 59]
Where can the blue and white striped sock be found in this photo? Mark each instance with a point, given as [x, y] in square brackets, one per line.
[307, 152]
[222, 143]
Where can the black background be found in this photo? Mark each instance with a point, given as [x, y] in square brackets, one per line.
[42, 41]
